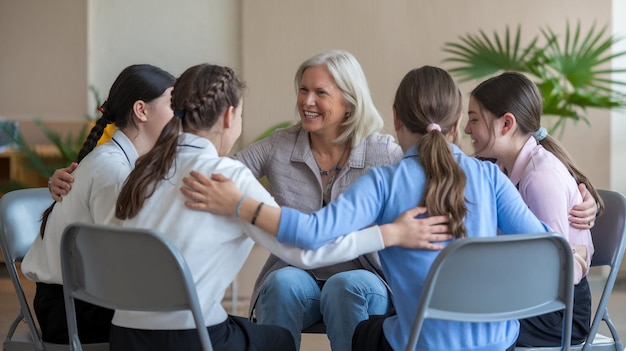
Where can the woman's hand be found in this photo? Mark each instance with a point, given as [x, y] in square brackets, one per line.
[217, 194]
[61, 181]
[417, 233]
[583, 215]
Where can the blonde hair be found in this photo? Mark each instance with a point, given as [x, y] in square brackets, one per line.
[350, 79]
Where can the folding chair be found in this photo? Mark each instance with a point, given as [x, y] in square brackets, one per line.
[609, 241]
[537, 278]
[20, 213]
[127, 269]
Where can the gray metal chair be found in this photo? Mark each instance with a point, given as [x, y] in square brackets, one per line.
[609, 241]
[127, 269]
[537, 278]
[20, 213]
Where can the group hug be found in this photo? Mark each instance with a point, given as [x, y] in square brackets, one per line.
[353, 218]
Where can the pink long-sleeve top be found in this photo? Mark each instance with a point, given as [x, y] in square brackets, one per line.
[550, 192]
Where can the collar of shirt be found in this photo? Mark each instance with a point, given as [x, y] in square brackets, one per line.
[127, 147]
[191, 143]
[302, 151]
[412, 151]
[523, 158]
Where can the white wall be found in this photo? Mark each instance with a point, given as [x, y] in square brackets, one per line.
[618, 117]
[173, 35]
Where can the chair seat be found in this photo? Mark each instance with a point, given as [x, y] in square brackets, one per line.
[21, 341]
[600, 343]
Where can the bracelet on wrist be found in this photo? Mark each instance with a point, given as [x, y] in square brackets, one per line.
[256, 213]
[239, 205]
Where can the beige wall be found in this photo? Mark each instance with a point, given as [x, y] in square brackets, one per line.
[43, 59]
[51, 51]
[389, 38]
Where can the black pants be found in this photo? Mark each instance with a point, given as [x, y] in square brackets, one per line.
[94, 322]
[369, 335]
[235, 334]
[545, 330]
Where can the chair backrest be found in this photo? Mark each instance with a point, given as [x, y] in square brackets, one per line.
[498, 278]
[609, 241]
[126, 268]
[20, 213]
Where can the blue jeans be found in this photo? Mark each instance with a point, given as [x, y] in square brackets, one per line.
[292, 299]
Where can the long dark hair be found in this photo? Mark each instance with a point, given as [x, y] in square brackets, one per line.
[514, 93]
[200, 96]
[426, 96]
[137, 82]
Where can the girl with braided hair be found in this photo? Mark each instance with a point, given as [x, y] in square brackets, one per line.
[139, 105]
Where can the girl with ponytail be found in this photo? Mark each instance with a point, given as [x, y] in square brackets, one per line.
[505, 125]
[139, 105]
[434, 173]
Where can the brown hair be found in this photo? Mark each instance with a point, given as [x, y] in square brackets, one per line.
[426, 96]
[200, 96]
[514, 93]
[137, 82]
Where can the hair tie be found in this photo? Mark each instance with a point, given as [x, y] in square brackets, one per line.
[540, 134]
[102, 107]
[179, 112]
[433, 126]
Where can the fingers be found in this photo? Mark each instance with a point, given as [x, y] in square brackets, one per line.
[415, 211]
[200, 177]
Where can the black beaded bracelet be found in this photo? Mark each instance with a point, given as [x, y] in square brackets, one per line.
[256, 213]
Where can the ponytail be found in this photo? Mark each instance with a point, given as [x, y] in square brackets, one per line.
[553, 146]
[445, 181]
[149, 170]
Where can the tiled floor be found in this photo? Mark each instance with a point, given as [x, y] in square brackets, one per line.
[310, 342]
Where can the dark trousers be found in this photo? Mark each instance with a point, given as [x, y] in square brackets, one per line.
[369, 335]
[235, 334]
[94, 322]
[545, 330]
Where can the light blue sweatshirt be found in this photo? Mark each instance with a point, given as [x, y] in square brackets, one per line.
[379, 197]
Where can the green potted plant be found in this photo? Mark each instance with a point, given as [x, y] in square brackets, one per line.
[571, 71]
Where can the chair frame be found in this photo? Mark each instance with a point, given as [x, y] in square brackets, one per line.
[611, 227]
[15, 243]
[92, 258]
[608, 253]
[20, 212]
[454, 266]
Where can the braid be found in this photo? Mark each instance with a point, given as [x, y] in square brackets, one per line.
[94, 135]
[211, 99]
[89, 144]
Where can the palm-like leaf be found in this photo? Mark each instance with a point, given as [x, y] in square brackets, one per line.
[480, 56]
[571, 73]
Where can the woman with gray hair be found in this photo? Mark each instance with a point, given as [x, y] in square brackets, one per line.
[308, 165]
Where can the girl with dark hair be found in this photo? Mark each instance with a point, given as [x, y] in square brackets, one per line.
[505, 124]
[139, 105]
[207, 99]
[434, 173]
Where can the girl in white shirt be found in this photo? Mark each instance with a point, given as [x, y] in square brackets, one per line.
[139, 105]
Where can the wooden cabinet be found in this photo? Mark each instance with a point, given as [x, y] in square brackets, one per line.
[14, 167]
